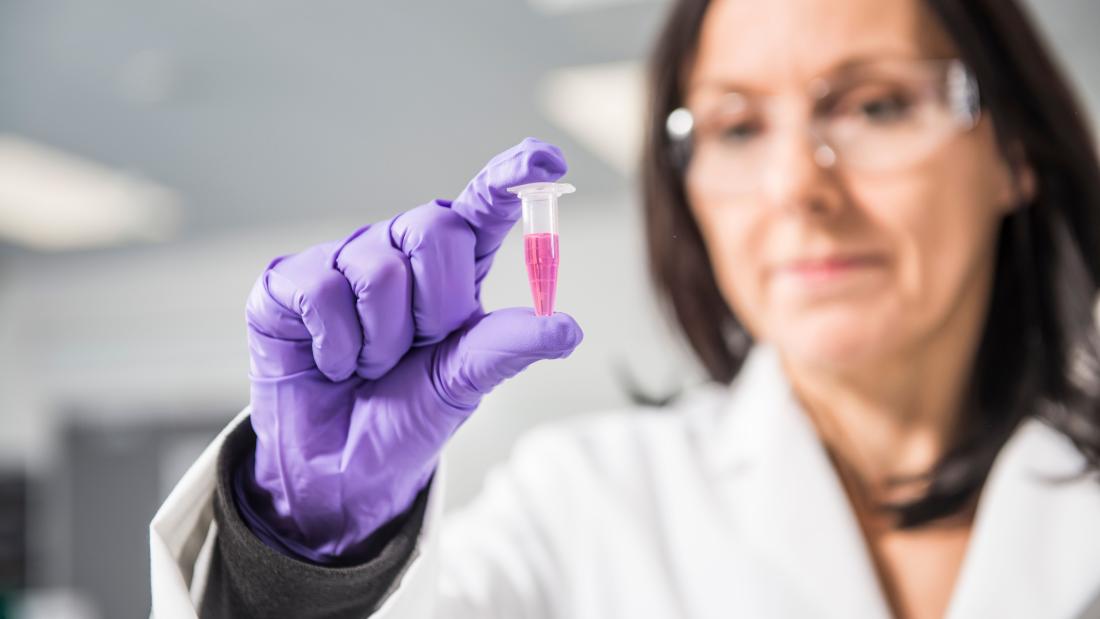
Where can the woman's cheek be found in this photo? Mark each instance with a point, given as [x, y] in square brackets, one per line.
[735, 243]
[904, 218]
[937, 231]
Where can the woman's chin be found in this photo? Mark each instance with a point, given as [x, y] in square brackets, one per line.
[839, 340]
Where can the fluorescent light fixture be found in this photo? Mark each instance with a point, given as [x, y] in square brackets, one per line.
[602, 107]
[53, 200]
[559, 7]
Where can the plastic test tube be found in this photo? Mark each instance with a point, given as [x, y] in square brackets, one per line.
[540, 239]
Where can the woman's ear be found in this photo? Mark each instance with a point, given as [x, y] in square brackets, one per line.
[1020, 184]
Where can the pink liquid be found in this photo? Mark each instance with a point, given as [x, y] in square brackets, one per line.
[540, 250]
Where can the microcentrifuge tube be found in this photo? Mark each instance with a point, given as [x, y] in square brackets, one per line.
[540, 239]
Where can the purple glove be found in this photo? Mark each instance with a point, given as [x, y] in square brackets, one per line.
[368, 353]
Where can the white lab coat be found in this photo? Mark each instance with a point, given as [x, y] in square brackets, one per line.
[724, 507]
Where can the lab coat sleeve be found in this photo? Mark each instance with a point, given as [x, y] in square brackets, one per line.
[498, 557]
[246, 578]
[206, 563]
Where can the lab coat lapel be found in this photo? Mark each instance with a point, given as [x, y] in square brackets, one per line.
[785, 499]
[1035, 547]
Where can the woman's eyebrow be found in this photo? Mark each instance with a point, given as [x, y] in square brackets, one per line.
[855, 63]
[847, 66]
[720, 86]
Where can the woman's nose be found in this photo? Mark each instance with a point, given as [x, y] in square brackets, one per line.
[802, 175]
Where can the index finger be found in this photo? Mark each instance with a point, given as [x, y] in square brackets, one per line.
[486, 204]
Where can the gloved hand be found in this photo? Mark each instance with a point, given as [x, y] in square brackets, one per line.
[368, 353]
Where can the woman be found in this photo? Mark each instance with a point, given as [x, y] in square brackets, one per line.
[876, 224]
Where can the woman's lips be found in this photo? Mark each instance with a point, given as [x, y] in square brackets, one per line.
[829, 268]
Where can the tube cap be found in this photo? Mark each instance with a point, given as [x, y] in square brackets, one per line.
[536, 189]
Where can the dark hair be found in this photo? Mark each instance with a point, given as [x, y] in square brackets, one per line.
[1039, 354]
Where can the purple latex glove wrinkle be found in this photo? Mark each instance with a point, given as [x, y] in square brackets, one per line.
[368, 354]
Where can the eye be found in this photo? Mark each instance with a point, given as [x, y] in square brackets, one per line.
[874, 105]
[884, 109]
[739, 133]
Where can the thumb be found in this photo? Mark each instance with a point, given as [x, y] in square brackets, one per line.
[496, 347]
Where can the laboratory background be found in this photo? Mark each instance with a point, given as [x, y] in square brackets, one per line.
[154, 157]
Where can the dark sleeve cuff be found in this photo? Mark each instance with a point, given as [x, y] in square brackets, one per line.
[249, 579]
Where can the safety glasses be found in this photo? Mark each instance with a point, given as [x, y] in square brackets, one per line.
[868, 118]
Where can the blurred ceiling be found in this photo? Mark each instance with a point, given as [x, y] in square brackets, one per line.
[266, 113]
